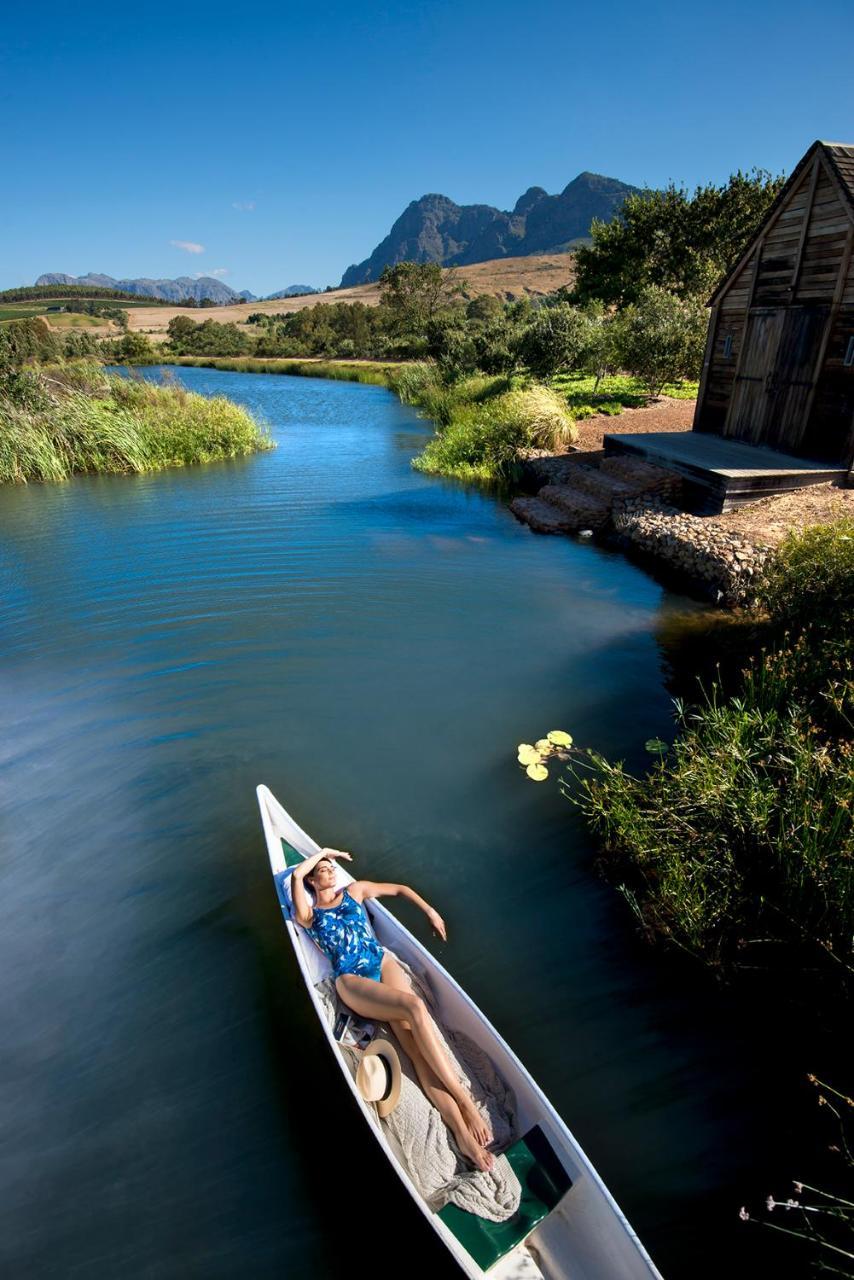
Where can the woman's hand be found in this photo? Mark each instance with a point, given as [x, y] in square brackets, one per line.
[438, 923]
[337, 853]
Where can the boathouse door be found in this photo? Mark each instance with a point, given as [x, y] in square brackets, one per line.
[776, 375]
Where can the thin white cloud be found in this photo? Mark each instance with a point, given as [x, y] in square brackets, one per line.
[220, 271]
[189, 246]
[245, 206]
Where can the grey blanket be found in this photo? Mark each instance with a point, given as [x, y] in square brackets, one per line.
[417, 1132]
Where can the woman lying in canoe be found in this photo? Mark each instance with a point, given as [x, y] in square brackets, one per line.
[371, 983]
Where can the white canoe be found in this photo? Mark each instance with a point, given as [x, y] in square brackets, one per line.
[584, 1236]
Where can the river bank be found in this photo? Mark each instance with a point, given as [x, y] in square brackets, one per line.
[636, 508]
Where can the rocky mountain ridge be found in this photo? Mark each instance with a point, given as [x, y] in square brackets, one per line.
[181, 289]
[435, 229]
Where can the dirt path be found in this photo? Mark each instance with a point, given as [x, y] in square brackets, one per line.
[664, 415]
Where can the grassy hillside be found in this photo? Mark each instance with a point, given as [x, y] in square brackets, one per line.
[504, 278]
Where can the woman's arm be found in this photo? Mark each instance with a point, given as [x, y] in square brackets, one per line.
[372, 889]
[304, 911]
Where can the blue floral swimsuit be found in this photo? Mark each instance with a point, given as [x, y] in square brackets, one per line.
[345, 936]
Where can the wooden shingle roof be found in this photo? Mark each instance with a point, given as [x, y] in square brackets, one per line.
[839, 160]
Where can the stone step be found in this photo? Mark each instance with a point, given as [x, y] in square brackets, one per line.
[556, 468]
[605, 488]
[541, 516]
[639, 476]
[581, 509]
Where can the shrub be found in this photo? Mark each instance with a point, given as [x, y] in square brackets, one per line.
[484, 428]
[541, 414]
[743, 829]
[660, 338]
[810, 581]
[556, 338]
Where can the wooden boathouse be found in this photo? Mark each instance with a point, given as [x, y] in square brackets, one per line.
[775, 408]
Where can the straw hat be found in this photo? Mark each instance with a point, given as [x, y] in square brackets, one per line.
[378, 1077]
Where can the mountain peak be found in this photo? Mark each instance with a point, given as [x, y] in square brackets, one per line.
[435, 229]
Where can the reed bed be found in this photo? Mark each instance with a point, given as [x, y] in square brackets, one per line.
[374, 374]
[485, 425]
[74, 420]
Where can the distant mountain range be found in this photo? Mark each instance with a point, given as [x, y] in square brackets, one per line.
[179, 290]
[292, 291]
[434, 229]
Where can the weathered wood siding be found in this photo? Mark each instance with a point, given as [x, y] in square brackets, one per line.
[774, 370]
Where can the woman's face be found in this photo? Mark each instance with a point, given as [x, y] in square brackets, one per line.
[323, 876]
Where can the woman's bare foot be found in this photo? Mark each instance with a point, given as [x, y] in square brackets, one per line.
[473, 1151]
[475, 1123]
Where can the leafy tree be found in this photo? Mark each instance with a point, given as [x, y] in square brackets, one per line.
[485, 309]
[415, 292]
[556, 339]
[660, 338]
[180, 329]
[207, 339]
[29, 340]
[133, 346]
[452, 346]
[681, 242]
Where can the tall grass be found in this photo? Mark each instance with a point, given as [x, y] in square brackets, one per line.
[485, 426]
[739, 845]
[373, 374]
[73, 420]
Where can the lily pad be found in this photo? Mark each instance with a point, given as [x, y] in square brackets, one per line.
[544, 746]
[559, 738]
[529, 755]
[537, 772]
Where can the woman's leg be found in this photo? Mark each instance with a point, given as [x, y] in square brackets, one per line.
[450, 1112]
[381, 1001]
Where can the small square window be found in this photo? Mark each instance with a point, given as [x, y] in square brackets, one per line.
[849, 354]
[728, 347]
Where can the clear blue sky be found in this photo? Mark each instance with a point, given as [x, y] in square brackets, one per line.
[286, 138]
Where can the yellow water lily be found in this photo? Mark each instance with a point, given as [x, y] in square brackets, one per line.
[559, 738]
[528, 754]
[544, 747]
[537, 772]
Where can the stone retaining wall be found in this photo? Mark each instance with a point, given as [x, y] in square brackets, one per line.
[722, 564]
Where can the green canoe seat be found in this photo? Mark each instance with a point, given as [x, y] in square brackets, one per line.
[544, 1182]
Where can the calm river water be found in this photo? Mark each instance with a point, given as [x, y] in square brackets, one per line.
[372, 644]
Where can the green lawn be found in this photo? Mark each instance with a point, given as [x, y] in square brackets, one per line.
[21, 310]
[613, 395]
[74, 320]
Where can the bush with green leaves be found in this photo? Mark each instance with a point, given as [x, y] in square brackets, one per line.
[28, 340]
[744, 829]
[555, 340]
[660, 338]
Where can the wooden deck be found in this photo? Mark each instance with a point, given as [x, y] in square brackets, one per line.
[725, 473]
